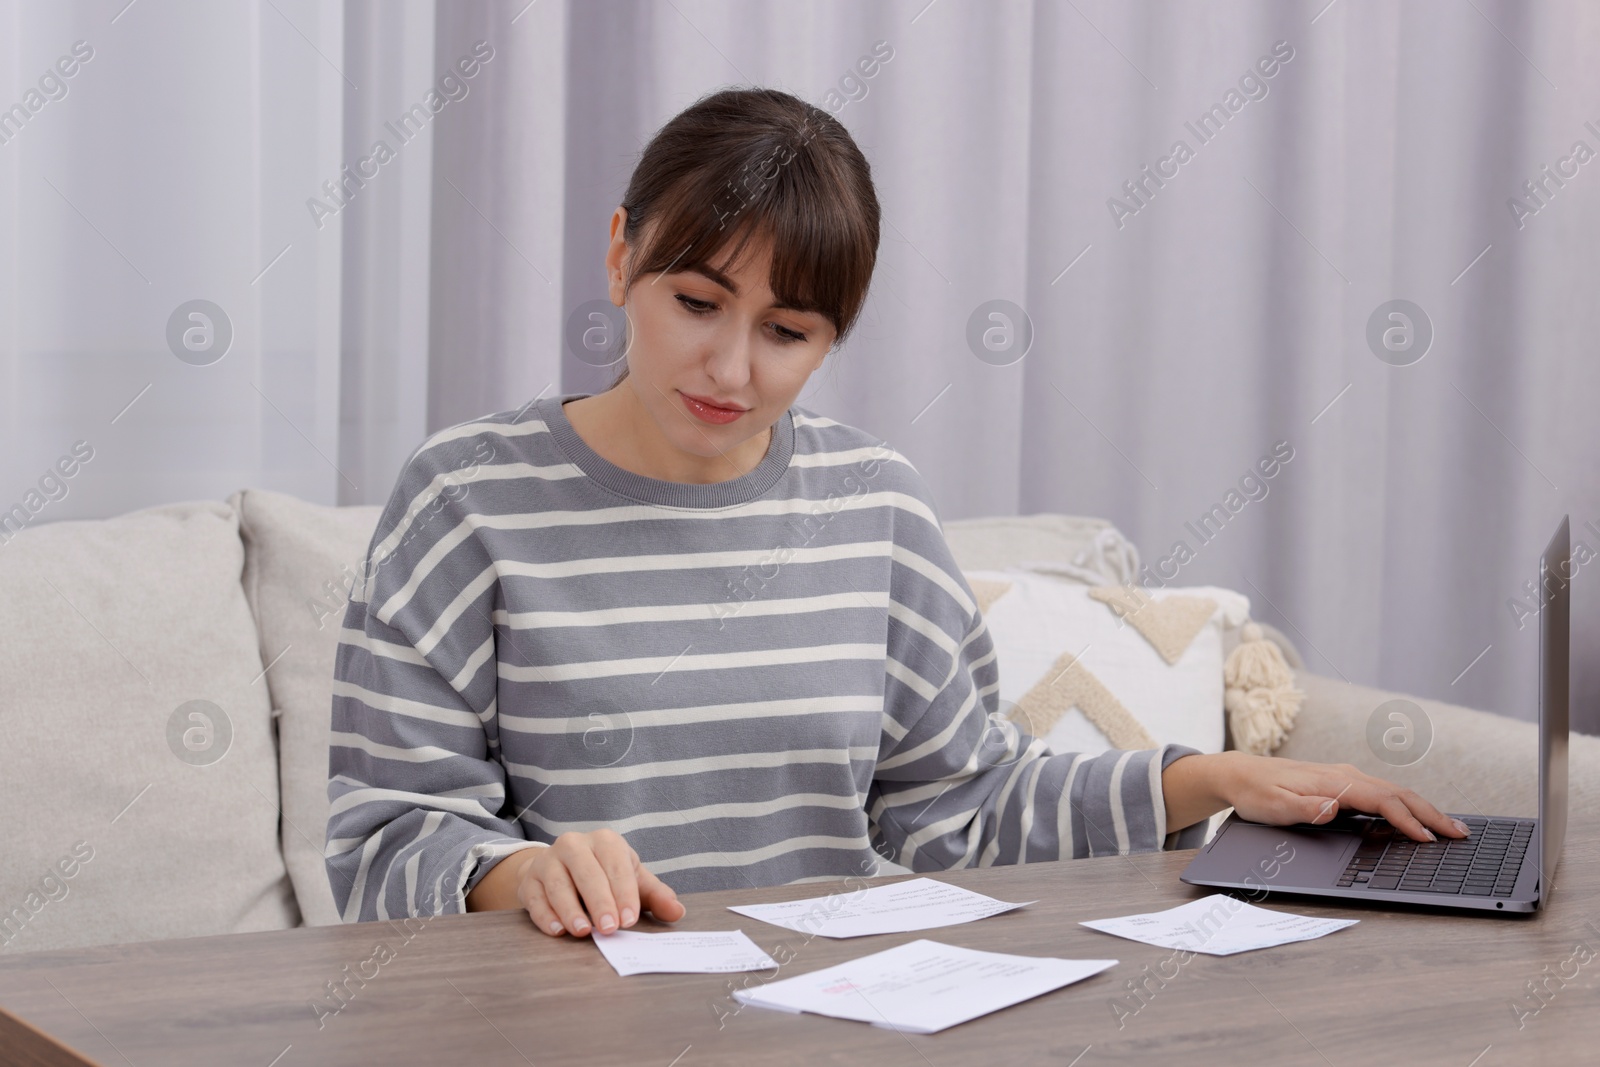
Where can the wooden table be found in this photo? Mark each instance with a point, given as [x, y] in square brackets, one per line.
[1399, 987]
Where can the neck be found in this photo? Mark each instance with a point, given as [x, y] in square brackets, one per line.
[619, 426]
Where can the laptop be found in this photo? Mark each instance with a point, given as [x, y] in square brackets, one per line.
[1506, 864]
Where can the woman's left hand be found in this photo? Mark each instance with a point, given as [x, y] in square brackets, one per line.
[1280, 792]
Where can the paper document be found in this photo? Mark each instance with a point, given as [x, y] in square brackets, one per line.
[1218, 925]
[917, 904]
[682, 952]
[922, 987]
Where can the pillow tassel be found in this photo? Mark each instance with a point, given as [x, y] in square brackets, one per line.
[1259, 694]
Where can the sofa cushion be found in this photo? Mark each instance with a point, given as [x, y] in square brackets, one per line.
[140, 791]
[300, 560]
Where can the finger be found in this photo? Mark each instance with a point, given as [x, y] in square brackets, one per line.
[1428, 815]
[1381, 798]
[539, 909]
[1327, 807]
[595, 888]
[617, 859]
[659, 898]
[563, 898]
[1310, 809]
[1374, 795]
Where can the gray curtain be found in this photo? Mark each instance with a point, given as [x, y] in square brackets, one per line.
[1191, 317]
[1177, 338]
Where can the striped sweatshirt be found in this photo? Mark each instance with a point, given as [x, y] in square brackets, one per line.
[776, 678]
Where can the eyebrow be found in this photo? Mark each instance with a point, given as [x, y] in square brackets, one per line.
[711, 273]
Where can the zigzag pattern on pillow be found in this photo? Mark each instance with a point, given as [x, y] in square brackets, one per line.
[1070, 684]
[986, 592]
[1169, 624]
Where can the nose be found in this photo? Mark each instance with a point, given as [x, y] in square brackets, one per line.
[728, 362]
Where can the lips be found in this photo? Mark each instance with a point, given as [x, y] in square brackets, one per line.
[712, 402]
[706, 411]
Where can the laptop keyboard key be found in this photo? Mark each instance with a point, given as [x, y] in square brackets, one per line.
[1484, 864]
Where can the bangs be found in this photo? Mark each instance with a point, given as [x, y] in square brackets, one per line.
[786, 191]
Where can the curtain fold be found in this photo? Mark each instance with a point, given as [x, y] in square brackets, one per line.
[500, 202]
[398, 102]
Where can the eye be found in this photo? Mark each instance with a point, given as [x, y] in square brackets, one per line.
[706, 307]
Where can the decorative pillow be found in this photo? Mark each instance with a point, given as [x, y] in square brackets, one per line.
[1091, 668]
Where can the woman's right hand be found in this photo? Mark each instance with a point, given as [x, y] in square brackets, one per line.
[584, 882]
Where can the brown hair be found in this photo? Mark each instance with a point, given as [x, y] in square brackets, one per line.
[744, 163]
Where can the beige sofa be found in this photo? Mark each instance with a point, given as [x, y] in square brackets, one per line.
[165, 679]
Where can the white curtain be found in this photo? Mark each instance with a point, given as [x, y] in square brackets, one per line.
[174, 167]
[1216, 314]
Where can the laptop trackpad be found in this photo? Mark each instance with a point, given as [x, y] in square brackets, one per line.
[1282, 856]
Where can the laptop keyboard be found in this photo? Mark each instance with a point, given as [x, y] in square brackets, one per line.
[1485, 864]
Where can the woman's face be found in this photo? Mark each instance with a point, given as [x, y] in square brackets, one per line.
[715, 337]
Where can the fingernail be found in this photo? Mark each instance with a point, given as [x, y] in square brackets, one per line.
[580, 927]
[555, 928]
[1429, 832]
[607, 923]
[628, 916]
[1459, 825]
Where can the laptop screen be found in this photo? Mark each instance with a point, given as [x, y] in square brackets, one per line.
[1555, 584]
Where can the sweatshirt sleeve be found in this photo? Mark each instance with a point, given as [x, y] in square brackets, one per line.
[418, 809]
[957, 784]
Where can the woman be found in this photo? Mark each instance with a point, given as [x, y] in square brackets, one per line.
[685, 634]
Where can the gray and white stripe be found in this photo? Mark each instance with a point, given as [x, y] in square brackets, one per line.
[755, 681]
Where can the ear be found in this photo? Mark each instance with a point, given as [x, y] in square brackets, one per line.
[617, 258]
